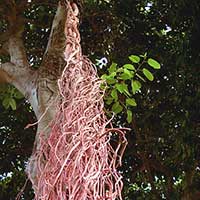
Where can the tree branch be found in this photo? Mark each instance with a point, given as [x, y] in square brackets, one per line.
[12, 37]
[57, 38]
[17, 51]
[24, 79]
[52, 65]
[6, 73]
[18, 71]
[53, 59]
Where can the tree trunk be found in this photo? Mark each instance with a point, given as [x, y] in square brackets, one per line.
[38, 86]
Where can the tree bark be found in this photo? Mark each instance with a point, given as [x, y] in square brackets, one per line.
[38, 86]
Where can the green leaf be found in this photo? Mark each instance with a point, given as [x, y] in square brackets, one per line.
[110, 79]
[12, 103]
[131, 102]
[120, 69]
[129, 66]
[112, 67]
[135, 85]
[114, 94]
[117, 108]
[148, 74]
[18, 95]
[144, 56]
[109, 100]
[112, 75]
[6, 103]
[134, 58]
[103, 86]
[104, 76]
[153, 63]
[128, 72]
[119, 87]
[129, 116]
[122, 88]
[126, 75]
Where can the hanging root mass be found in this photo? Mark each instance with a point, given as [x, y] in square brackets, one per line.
[77, 162]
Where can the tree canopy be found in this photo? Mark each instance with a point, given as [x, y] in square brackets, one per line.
[163, 153]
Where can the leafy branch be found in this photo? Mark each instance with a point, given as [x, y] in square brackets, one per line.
[123, 82]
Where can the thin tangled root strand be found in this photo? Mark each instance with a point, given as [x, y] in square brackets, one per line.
[77, 161]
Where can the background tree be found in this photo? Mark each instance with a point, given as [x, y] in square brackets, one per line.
[162, 158]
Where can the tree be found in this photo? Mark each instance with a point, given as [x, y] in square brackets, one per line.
[39, 86]
[42, 93]
[162, 157]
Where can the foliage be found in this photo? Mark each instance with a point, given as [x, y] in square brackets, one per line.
[9, 95]
[16, 147]
[122, 83]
